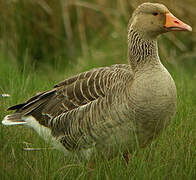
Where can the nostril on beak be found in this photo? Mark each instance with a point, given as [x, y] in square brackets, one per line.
[176, 22]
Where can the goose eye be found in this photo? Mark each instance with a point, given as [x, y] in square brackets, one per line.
[155, 13]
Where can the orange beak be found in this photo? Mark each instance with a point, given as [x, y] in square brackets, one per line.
[174, 24]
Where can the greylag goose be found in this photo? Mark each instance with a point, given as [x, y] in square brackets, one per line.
[125, 104]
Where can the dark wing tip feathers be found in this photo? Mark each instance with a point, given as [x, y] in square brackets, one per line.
[32, 100]
[16, 107]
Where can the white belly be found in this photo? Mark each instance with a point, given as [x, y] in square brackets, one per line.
[44, 132]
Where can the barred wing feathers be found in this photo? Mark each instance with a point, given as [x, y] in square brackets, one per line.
[70, 94]
[96, 121]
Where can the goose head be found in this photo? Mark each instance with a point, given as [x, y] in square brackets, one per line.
[153, 19]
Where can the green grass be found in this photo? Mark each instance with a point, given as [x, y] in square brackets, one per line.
[171, 156]
[50, 30]
[97, 37]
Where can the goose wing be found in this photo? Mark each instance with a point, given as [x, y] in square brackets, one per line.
[98, 120]
[70, 94]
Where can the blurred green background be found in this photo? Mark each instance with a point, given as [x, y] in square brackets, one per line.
[45, 41]
[85, 32]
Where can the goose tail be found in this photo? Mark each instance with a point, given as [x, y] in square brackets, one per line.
[13, 119]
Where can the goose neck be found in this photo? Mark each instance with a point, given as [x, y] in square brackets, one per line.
[141, 50]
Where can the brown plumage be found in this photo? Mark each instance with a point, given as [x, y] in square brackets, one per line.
[123, 105]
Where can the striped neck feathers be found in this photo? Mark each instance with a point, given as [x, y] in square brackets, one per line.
[141, 50]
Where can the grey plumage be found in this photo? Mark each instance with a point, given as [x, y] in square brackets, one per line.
[127, 105]
[76, 106]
